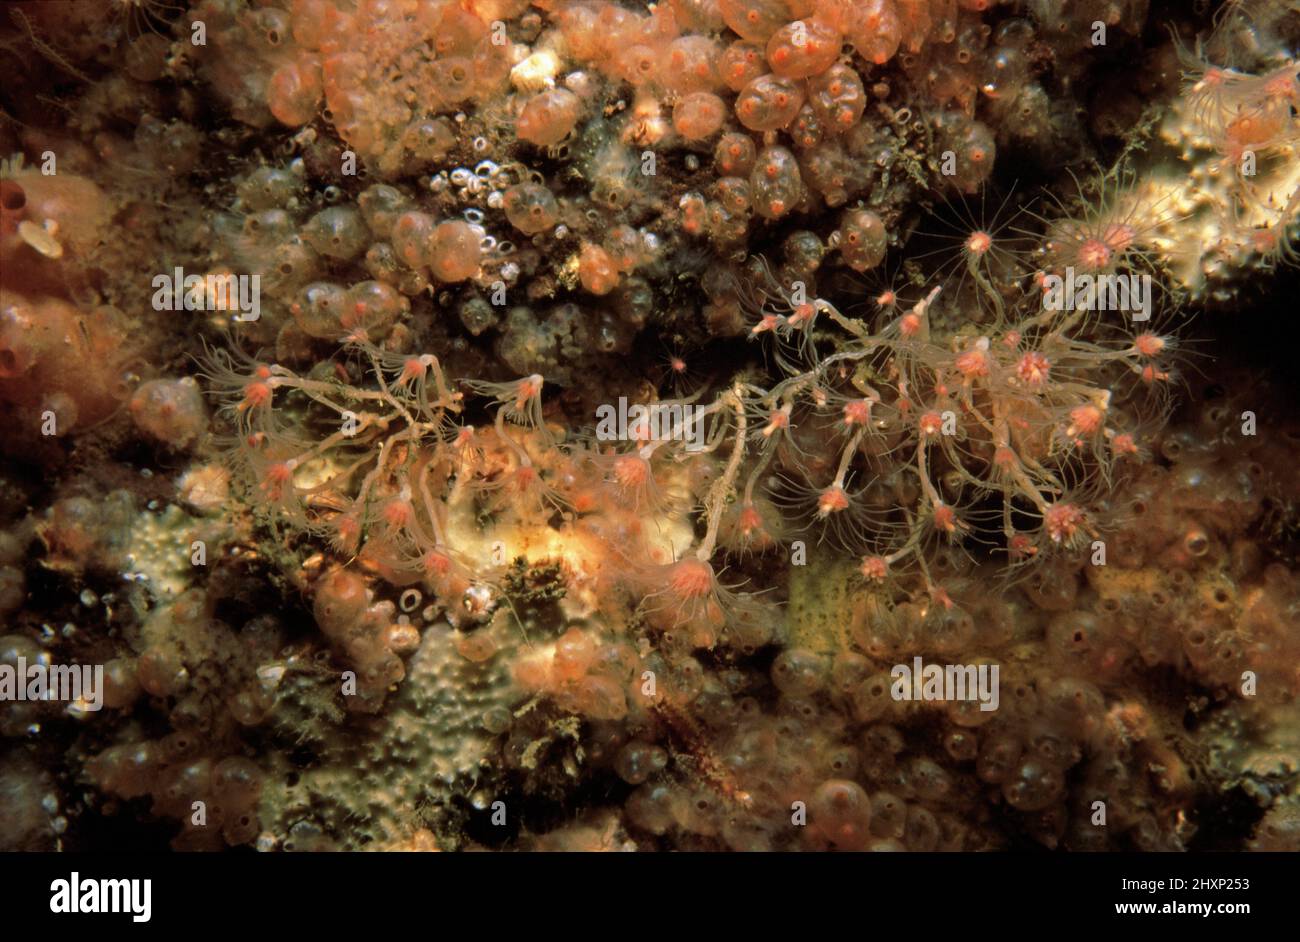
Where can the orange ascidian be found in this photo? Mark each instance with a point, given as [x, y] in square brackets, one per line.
[380, 206]
[757, 20]
[56, 358]
[637, 64]
[295, 91]
[700, 16]
[341, 599]
[369, 309]
[741, 63]
[837, 97]
[875, 30]
[734, 194]
[734, 154]
[769, 103]
[170, 410]
[808, 130]
[530, 207]
[688, 65]
[803, 48]
[596, 269]
[968, 151]
[775, 183]
[412, 232]
[699, 115]
[694, 213]
[427, 139]
[862, 239]
[455, 79]
[840, 812]
[549, 117]
[454, 251]
[319, 309]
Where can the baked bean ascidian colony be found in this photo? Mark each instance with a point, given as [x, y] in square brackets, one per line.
[423, 408]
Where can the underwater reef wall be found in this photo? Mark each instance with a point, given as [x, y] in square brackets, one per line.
[703, 425]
